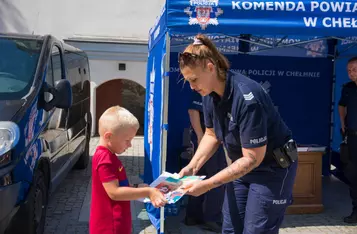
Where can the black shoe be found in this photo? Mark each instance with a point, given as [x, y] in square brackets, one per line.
[192, 221]
[212, 227]
[351, 219]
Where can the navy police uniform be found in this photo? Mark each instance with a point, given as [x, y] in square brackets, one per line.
[349, 100]
[207, 207]
[245, 117]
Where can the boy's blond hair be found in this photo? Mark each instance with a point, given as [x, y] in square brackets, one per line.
[117, 118]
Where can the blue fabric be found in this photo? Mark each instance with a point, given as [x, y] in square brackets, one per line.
[303, 18]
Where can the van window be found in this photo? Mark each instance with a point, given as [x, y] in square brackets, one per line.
[56, 64]
[18, 62]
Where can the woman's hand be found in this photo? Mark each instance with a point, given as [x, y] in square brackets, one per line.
[186, 171]
[198, 188]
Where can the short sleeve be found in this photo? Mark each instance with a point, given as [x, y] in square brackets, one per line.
[106, 168]
[106, 173]
[343, 98]
[207, 112]
[196, 101]
[253, 126]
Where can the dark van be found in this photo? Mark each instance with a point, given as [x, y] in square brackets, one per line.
[45, 125]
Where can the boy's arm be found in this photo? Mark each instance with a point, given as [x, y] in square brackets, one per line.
[117, 193]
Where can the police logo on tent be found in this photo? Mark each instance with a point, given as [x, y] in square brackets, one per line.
[203, 12]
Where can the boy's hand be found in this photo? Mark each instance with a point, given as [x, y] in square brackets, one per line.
[157, 198]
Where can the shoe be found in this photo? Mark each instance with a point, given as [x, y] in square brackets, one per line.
[212, 227]
[192, 221]
[352, 218]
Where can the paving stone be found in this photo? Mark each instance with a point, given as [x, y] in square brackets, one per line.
[68, 208]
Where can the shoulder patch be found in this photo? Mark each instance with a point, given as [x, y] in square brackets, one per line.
[248, 97]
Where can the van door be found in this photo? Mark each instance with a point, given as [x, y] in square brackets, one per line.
[76, 123]
[54, 134]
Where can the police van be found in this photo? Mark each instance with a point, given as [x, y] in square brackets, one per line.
[45, 125]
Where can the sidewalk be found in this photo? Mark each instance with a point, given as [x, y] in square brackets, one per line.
[68, 210]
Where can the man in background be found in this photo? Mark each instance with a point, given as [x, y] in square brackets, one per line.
[348, 117]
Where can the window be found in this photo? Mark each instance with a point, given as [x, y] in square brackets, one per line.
[56, 64]
[18, 62]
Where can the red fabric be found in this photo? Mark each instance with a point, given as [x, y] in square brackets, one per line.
[108, 216]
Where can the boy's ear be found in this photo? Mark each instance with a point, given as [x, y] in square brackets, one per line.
[107, 135]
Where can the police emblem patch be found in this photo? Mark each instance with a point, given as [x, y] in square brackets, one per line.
[203, 12]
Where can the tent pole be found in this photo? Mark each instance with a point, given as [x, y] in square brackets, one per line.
[333, 100]
[165, 83]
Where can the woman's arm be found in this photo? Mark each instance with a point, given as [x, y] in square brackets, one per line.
[252, 158]
[208, 146]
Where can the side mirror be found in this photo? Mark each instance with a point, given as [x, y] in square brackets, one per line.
[61, 95]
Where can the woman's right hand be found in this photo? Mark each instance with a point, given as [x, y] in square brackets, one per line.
[186, 171]
[157, 198]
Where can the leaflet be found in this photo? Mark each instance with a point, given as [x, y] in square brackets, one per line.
[172, 186]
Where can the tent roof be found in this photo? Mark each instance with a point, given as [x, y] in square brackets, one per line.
[336, 18]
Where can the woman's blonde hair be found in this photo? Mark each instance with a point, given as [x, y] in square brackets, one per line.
[203, 49]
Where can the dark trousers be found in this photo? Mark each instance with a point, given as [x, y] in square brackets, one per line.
[208, 206]
[256, 203]
[351, 169]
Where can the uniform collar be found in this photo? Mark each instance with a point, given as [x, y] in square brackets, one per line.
[228, 91]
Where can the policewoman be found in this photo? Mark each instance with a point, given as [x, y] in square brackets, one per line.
[348, 117]
[239, 113]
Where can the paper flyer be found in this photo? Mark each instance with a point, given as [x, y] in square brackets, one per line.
[172, 186]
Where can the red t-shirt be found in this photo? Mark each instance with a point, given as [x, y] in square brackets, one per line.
[108, 216]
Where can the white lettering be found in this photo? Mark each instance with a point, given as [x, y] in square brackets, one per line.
[310, 22]
[323, 6]
[349, 40]
[333, 6]
[303, 74]
[269, 6]
[204, 2]
[281, 73]
[261, 72]
[314, 5]
[333, 22]
[279, 202]
[258, 140]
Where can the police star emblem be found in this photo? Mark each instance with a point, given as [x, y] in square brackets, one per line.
[203, 12]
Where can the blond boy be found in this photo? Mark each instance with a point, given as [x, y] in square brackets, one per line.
[111, 192]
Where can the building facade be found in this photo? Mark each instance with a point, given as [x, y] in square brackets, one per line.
[114, 34]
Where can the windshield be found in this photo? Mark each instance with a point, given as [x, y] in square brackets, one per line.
[18, 62]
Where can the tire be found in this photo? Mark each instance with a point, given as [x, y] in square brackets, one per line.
[83, 160]
[32, 215]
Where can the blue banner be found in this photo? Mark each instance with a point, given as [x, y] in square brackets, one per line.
[268, 45]
[300, 89]
[291, 46]
[154, 121]
[312, 18]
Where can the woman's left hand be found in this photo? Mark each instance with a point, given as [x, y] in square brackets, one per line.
[199, 188]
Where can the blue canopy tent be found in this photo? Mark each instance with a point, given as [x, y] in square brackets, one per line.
[297, 49]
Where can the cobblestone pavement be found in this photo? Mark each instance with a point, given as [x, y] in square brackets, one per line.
[68, 209]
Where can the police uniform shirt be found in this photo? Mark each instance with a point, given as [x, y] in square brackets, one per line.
[349, 99]
[244, 117]
[196, 104]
